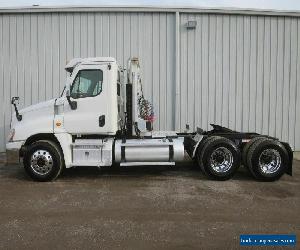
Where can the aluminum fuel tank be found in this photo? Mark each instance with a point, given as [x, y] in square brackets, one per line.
[149, 150]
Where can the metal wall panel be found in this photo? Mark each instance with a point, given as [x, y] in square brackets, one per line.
[242, 72]
[34, 47]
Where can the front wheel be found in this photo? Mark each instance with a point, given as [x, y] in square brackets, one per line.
[43, 161]
[219, 158]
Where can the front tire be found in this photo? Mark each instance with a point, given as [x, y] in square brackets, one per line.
[43, 161]
[219, 158]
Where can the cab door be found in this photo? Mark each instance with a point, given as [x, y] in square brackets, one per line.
[89, 89]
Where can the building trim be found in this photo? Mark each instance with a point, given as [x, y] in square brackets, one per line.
[233, 11]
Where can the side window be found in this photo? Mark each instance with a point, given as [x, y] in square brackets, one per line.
[88, 83]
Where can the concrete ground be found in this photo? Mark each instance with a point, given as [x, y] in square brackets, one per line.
[143, 208]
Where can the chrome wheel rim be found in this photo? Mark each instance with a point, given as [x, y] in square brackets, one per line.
[269, 161]
[41, 162]
[221, 160]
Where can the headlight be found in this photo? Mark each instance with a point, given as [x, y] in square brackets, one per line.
[11, 135]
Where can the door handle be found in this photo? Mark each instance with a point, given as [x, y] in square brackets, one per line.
[101, 120]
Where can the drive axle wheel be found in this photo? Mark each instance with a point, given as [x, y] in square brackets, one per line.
[219, 158]
[267, 160]
[198, 154]
[43, 161]
[247, 147]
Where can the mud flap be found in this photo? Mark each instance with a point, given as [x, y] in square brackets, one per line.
[289, 169]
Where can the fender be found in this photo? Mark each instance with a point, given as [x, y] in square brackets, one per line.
[65, 141]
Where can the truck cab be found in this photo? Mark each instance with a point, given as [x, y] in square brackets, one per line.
[92, 87]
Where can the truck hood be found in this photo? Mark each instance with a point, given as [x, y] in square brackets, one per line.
[36, 119]
[39, 106]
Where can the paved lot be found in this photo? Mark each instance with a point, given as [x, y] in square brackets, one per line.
[143, 208]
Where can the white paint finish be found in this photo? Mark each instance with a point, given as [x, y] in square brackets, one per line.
[36, 119]
[85, 119]
[98, 153]
[65, 141]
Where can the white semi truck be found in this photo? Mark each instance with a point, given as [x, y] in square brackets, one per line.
[102, 118]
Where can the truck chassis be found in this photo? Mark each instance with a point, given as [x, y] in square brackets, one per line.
[129, 140]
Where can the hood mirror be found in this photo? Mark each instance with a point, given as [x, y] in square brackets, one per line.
[15, 101]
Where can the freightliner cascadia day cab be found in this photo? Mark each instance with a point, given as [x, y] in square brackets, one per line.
[102, 118]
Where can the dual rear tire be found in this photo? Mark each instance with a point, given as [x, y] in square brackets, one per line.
[266, 159]
[219, 158]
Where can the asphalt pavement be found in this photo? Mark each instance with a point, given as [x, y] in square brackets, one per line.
[143, 208]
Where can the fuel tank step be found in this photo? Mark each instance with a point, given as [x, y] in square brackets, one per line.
[149, 163]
